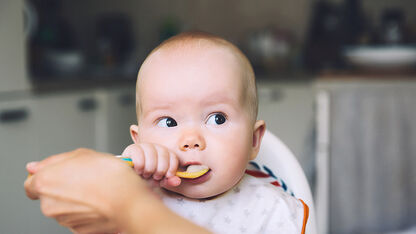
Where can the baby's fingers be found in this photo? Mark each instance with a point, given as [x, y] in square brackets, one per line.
[162, 163]
[150, 159]
[136, 154]
[173, 165]
[170, 182]
[129, 150]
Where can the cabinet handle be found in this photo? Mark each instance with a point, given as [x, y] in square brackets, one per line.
[277, 95]
[13, 116]
[87, 104]
[126, 99]
[271, 95]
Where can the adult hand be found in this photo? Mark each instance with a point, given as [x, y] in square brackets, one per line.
[84, 190]
[91, 192]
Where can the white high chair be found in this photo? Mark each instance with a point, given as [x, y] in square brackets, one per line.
[276, 155]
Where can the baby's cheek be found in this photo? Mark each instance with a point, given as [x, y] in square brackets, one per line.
[242, 149]
[151, 136]
[236, 161]
[230, 177]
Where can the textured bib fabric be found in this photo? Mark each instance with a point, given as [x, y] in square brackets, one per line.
[254, 205]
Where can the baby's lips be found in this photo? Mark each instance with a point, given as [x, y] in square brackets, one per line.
[193, 171]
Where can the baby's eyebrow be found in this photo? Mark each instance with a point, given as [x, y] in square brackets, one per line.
[148, 110]
[218, 99]
[160, 106]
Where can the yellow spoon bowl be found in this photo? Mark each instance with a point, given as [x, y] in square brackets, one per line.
[191, 175]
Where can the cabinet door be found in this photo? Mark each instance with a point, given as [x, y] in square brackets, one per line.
[119, 113]
[66, 122]
[288, 112]
[19, 144]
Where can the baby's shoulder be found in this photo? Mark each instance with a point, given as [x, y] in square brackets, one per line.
[264, 190]
[269, 192]
[271, 206]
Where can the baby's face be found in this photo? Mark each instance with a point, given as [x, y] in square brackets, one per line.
[192, 104]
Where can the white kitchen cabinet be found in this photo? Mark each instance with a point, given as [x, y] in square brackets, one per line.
[366, 154]
[287, 109]
[31, 129]
[35, 126]
[66, 121]
[19, 144]
[116, 117]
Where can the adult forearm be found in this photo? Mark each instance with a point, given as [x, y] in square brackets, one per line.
[151, 216]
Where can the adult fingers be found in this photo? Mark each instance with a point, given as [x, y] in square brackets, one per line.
[31, 167]
[100, 226]
[30, 189]
[78, 218]
[53, 159]
[87, 222]
[61, 207]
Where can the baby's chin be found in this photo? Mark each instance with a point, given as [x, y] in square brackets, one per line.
[200, 193]
[208, 190]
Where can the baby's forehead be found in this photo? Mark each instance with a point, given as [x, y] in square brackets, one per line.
[216, 58]
[196, 50]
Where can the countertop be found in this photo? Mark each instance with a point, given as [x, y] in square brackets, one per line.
[317, 80]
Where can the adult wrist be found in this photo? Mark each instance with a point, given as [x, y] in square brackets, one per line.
[149, 215]
[137, 214]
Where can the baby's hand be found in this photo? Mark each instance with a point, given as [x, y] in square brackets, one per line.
[154, 161]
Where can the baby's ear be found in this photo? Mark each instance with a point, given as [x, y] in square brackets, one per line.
[258, 133]
[134, 133]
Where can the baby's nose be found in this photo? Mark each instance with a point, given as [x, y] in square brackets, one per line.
[191, 140]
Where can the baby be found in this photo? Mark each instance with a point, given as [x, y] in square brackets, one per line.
[196, 106]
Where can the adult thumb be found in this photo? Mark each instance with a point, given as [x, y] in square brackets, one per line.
[33, 167]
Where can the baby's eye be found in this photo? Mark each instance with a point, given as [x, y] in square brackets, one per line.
[216, 119]
[167, 122]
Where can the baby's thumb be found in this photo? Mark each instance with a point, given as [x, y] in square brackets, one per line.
[170, 182]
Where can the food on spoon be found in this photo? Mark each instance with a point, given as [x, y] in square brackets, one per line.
[193, 171]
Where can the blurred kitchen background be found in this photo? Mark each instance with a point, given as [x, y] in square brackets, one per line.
[336, 82]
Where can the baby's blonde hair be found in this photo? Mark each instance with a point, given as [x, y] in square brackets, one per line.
[194, 39]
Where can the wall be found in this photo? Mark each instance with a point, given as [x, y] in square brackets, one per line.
[232, 19]
[374, 9]
[12, 47]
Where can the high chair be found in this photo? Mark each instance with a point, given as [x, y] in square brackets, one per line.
[275, 157]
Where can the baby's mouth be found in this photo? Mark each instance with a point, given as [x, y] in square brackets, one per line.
[193, 171]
